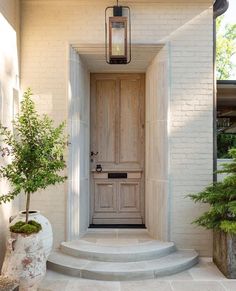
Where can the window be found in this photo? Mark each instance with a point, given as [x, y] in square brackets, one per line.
[226, 117]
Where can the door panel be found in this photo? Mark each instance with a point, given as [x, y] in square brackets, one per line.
[117, 139]
[130, 121]
[129, 197]
[105, 120]
[105, 197]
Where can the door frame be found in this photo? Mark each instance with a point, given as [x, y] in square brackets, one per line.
[140, 181]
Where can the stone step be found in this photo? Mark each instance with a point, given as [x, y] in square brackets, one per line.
[119, 271]
[127, 253]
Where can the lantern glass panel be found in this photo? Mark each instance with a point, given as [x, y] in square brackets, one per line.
[118, 39]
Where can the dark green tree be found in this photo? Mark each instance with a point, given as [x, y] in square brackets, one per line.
[221, 196]
[225, 142]
[36, 149]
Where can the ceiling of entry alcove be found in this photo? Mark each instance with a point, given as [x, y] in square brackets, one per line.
[94, 57]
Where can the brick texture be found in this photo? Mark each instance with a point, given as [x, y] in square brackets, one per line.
[49, 26]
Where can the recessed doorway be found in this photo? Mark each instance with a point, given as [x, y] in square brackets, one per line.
[152, 63]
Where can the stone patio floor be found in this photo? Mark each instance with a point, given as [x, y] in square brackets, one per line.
[203, 277]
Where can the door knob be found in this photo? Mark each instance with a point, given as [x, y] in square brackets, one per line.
[99, 168]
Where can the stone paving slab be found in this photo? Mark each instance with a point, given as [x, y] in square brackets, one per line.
[190, 280]
[229, 285]
[197, 286]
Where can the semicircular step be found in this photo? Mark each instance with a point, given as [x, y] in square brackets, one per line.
[120, 271]
[128, 253]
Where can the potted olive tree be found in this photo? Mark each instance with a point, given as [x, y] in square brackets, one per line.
[221, 217]
[35, 148]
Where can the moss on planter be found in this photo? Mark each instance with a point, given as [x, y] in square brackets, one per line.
[26, 228]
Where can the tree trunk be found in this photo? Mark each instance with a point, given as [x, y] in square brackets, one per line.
[27, 207]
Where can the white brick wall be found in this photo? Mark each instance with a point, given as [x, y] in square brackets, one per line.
[48, 27]
[191, 129]
[9, 79]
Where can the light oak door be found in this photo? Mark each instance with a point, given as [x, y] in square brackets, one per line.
[117, 148]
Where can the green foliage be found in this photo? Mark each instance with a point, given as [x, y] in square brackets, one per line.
[228, 226]
[221, 197]
[36, 149]
[27, 228]
[225, 49]
[225, 142]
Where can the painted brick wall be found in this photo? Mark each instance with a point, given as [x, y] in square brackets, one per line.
[9, 81]
[191, 128]
[48, 27]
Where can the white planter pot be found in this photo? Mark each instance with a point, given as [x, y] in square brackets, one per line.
[45, 235]
[25, 260]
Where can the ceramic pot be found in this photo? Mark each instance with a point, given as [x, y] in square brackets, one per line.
[25, 259]
[45, 234]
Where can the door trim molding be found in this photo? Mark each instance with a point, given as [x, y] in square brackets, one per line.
[77, 214]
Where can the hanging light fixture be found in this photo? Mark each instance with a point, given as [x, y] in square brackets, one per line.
[117, 34]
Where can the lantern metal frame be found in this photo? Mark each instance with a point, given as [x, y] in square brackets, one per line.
[127, 58]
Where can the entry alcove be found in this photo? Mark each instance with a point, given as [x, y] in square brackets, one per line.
[153, 61]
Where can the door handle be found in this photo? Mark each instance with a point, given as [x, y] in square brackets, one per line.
[92, 155]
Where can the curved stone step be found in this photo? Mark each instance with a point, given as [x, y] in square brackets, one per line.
[117, 271]
[128, 253]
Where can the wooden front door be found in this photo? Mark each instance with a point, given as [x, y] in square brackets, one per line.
[117, 148]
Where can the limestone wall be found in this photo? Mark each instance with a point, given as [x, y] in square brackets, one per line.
[157, 143]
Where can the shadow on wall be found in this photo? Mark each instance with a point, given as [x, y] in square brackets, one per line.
[2, 247]
[3, 233]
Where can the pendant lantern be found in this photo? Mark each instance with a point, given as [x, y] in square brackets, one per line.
[117, 34]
